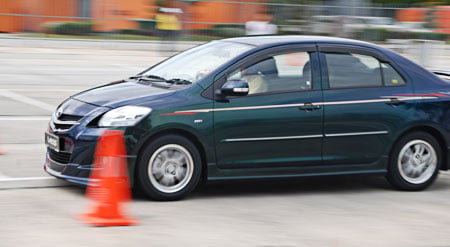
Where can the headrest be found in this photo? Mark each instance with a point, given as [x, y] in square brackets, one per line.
[266, 67]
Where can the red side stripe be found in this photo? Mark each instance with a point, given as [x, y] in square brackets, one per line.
[425, 94]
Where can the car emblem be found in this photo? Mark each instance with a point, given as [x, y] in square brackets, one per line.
[59, 113]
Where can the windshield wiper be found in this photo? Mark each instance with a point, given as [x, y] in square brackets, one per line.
[156, 79]
[177, 81]
[148, 77]
[171, 83]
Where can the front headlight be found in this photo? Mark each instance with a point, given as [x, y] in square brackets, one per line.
[124, 116]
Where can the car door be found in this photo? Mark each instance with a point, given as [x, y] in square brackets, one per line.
[277, 123]
[364, 105]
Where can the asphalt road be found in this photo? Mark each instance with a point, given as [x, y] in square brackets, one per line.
[38, 210]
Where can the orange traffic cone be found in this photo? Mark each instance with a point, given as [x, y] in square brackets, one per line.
[109, 185]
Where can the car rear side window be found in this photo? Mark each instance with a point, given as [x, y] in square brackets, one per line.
[391, 76]
[353, 70]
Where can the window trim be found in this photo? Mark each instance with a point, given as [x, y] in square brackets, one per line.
[352, 49]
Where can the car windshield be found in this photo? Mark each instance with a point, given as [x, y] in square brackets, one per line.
[194, 64]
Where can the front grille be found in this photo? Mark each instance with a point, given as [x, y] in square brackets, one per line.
[65, 121]
[62, 126]
[67, 117]
[62, 158]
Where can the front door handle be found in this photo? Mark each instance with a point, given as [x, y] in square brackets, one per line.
[309, 107]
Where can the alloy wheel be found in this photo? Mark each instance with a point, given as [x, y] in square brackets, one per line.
[170, 168]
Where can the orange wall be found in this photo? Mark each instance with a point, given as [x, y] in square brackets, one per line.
[144, 9]
[48, 8]
[117, 9]
[443, 18]
[224, 13]
[34, 7]
[411, 15]
[11, 23]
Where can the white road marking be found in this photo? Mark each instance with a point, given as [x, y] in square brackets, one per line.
[24, 118]
[8, 179]
[27, 100]
[46, 89]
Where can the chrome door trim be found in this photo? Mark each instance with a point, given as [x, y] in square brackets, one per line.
[344, 102]
[271, 138]
[304, 137]
[358, 133]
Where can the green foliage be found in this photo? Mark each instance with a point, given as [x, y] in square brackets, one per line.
[229, 32]
[146, 24]
[142, 32]
[68, 27]
[416, 2]
[379, 34]
[129, 31]
[160, 3]
[436, 36]
[374, 34]
[112, 36]
[225, 31]
[429, 19]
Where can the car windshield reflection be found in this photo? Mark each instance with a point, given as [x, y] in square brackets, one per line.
[198, 62]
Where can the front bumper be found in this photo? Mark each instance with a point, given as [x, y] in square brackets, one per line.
[75, 167]
[74, 161]
[76, 134]
[69, 172]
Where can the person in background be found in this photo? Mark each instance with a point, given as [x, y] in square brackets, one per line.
[168, 26]
[260, 26]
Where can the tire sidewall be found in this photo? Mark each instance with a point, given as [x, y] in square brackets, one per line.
[142, 175]
[394, 176]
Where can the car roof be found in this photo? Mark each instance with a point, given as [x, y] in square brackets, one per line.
[292, 39]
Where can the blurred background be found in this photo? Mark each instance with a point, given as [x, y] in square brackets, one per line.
[51, 49]
[419, 29]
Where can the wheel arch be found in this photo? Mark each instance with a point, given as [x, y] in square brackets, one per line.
[437, 134]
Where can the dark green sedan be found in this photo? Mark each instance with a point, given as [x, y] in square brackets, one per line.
[263, 107]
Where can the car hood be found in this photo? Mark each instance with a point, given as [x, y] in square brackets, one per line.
[122, 93]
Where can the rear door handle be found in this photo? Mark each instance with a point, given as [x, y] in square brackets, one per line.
[395, 102]
[309, 107]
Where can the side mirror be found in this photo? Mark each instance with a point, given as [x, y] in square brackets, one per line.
[234, 88]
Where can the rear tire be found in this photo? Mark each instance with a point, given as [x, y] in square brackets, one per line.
[415, 161]
[169, 168]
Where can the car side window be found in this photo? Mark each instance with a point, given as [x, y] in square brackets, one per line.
[391, 76]
[353, 70]
[281, 72]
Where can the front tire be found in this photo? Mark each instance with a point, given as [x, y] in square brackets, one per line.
[414, 162]
[169, 168]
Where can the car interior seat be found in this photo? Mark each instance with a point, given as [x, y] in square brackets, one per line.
[261, 75]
